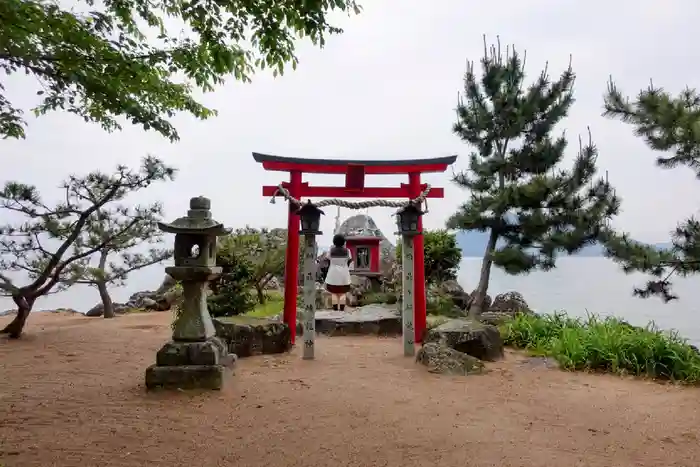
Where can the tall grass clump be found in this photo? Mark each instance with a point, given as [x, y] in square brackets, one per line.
[606, 345]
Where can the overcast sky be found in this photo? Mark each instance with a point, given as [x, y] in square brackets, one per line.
[386, 89]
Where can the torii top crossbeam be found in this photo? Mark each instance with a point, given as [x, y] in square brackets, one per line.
[355, 171]
[339, 166]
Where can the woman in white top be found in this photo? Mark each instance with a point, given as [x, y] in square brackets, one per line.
[338, 277]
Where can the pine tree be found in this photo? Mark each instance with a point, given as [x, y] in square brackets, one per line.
[532, 208]
[670, 125]
[47, 245]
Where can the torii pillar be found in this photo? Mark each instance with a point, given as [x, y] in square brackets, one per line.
[354, 172]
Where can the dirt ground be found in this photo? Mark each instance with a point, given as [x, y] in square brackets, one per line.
[71, 394]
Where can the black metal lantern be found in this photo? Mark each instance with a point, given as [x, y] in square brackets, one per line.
[310, 219]
[407, 220]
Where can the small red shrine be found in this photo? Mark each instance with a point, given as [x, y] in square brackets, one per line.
[365, 255]
[363, 239]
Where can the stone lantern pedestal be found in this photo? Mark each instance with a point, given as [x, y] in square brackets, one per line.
[195, 357]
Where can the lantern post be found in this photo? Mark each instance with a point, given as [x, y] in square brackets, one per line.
[195, 357]
[408, 225]
[310, 217]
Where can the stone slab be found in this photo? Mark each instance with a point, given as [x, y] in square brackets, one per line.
[245, 336]
[365, 320]
[185, 377]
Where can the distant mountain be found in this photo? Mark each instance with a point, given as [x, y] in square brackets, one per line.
[473, 244]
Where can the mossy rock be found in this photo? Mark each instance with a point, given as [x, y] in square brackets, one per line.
[468, 336]
[247, 336]
[441, 359]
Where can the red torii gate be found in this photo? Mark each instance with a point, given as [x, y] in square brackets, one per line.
[354, 171]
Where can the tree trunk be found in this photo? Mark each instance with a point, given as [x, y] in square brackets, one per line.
[107, 304]
[261, 293]
[16, 326]
[476, 307]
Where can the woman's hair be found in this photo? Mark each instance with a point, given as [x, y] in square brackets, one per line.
[338, 240]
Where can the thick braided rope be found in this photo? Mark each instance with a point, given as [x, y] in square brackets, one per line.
[422, 198]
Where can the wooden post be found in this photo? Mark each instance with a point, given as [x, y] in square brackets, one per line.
[407, 304]
[309, 314]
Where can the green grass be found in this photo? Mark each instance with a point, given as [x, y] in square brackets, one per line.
[605, 345]
[273, 306]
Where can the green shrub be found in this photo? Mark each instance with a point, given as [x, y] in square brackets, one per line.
[442, 305]
[605, 344]
[392, 299]
[231, 291]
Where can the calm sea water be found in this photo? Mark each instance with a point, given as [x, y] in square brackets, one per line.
[596, 285]
[577, 286]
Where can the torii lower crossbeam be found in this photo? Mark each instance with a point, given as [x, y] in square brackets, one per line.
[354, 171]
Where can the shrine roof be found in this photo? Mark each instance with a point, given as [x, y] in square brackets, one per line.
[363, 238]
[375, 166]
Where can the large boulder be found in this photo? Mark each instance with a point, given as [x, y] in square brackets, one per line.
[247, 336]
[509, 302]
[504, 307]
[468, 336]
[163, 299]
[445, 360]
[455, 291]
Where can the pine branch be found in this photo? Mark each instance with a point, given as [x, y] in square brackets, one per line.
[670, 125]
[39, 246]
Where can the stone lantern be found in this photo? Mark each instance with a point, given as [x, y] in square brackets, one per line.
[310, 219]
[194, 357]
[407, 220]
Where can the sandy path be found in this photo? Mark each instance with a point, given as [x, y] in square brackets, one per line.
[71, 394]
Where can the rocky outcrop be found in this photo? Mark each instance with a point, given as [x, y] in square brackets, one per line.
[459, 347]
[253, 336]
[504, 307]
[363, 225]
[486, 303]
[468, 336]
[455, 291]
[509, 302]
[447, 361]
[358, 288]
[161, 299]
